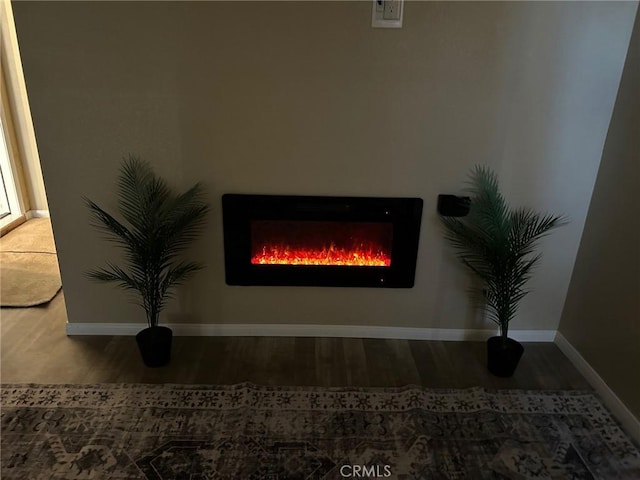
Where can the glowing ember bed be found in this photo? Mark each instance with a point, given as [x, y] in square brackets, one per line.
[323, 241]
[349, 244]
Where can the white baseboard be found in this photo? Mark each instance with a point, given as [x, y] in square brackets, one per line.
[283, 330]
[37, 214]
[628, 421]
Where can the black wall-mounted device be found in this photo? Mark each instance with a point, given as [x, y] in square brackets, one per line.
[453, 206]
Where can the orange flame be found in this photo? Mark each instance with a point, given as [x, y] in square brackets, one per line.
[331, 256]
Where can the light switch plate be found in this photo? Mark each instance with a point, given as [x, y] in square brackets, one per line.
[387, 13]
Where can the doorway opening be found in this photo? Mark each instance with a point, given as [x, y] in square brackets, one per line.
[9, 204]
[29, 273]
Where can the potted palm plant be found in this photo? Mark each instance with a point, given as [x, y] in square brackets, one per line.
[498, 244]
[161, 225]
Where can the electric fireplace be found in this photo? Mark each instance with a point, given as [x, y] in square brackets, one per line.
[320, 241]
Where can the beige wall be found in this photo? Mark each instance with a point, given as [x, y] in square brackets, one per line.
[601, 317]
[307, 98]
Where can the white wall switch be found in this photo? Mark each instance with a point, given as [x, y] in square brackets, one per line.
[387, 13]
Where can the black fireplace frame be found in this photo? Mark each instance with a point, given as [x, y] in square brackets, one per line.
[238, 210]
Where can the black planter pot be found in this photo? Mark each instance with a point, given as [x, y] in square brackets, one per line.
[155, 346]
[503, 357]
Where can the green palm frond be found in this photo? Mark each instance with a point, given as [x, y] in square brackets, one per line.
[161, 225]
[114, 230]
[489, 209]
[497, 244]
[184, 222]
[177, 275]
[115, 274]
[473, 247]
[141, 193]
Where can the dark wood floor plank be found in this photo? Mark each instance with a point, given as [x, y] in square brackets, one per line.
[238, 361]
[355, 362]
[405, 370]
[276, 356]
[212, 359]
[304, 370]
[35, 349]
[330, 362]
[439, 366]
[385, 368]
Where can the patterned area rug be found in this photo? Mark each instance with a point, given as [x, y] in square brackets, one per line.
[254, 432]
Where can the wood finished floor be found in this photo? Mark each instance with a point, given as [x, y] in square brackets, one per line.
[35, 349]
